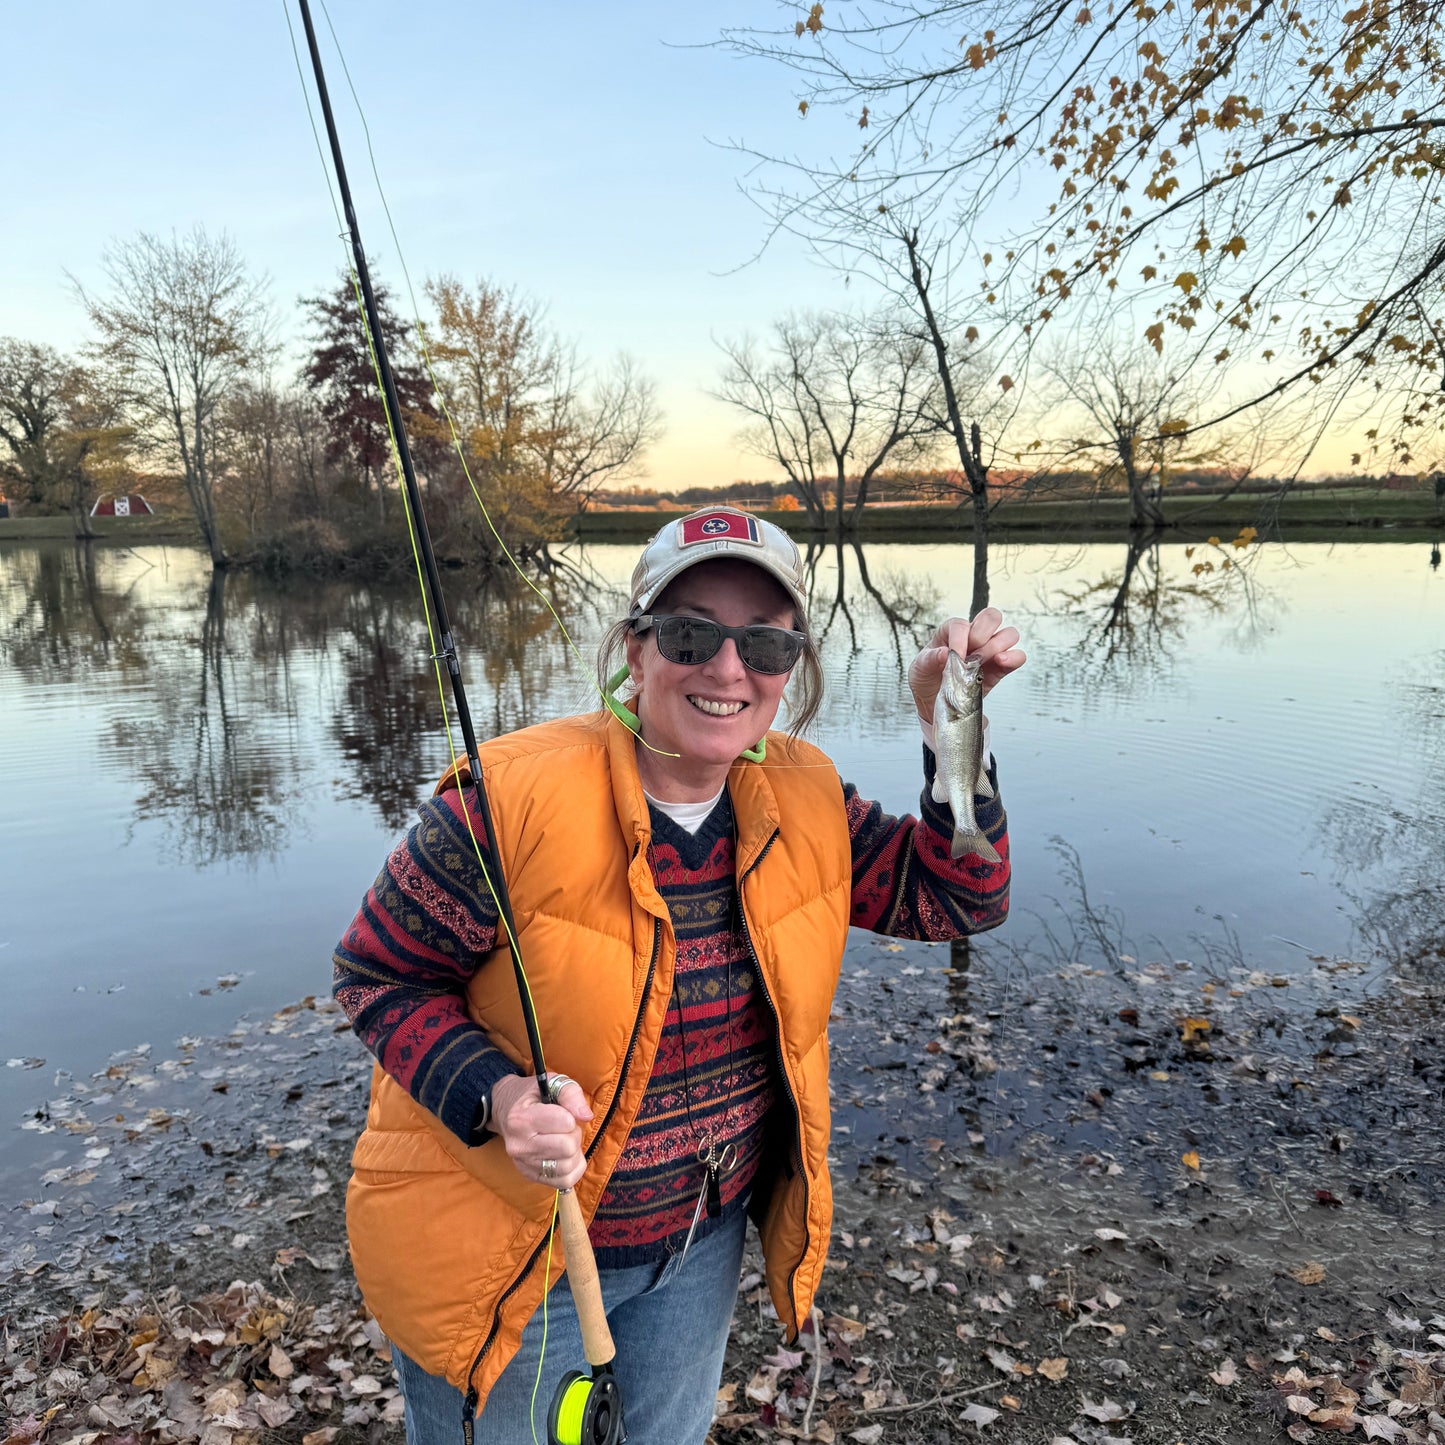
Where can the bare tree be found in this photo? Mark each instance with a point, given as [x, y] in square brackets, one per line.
[1125, 415]
[1254, 181]
[836, 396]
[181, 323]
[252, 429]
[599, 439]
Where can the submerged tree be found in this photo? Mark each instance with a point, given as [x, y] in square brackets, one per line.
[181, 323]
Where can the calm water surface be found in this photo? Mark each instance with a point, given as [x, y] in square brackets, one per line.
[197, 785]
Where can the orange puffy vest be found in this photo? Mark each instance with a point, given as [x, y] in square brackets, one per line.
[449, 1241]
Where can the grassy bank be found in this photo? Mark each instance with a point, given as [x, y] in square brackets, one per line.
[1313, 515]
[125, 531]
[1328, 513]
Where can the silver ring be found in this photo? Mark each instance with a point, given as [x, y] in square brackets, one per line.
[556, 1083]
[549, 1169]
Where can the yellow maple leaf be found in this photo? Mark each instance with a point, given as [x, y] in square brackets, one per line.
[1190, 1029]
[1191, 1159]
[1233, 247]
[1186, 281]
[802, 107]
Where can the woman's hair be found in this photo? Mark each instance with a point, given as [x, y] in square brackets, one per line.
[804, 697]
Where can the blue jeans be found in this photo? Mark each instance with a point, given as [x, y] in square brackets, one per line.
[670, 1326]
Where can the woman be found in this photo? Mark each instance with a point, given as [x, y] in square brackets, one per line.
[683, 879]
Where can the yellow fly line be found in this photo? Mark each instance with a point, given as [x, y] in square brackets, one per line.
[410, 521]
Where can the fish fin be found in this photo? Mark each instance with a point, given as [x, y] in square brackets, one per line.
[974, 842]
[940, 793]
[983, 787]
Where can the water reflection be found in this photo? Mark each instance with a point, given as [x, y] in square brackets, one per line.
[220, 794]
[1401, 834]
[909, 606]
[1141, 610]
[1183, 729]
[61, 617]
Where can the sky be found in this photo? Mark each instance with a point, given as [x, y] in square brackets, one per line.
[582, 154]
[578, 153]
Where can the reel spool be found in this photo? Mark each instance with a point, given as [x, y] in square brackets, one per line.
[586, 1410]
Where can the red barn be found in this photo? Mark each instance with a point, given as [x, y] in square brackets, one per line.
[133, 505]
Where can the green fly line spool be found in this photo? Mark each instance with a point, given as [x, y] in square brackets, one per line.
[586, 1410]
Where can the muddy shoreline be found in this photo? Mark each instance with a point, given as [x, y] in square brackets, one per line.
[1147, 1201]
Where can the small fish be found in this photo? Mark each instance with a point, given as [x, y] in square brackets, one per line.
[958, 744]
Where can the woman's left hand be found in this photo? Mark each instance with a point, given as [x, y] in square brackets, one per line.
[985, 637]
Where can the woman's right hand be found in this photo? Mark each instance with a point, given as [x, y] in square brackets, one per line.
[533, 1130]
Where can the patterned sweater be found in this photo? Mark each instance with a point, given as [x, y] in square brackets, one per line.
[400, 972]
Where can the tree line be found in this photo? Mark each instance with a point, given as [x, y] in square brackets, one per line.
[184, 375]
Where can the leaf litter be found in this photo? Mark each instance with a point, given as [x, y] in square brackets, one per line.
[1019, 1252]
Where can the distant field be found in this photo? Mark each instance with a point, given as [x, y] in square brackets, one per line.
[1300, 515]
[1192, 515]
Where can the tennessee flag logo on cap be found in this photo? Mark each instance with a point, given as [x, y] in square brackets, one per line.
[714, 526]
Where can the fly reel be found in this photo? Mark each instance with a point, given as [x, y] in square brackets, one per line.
[586, 1410]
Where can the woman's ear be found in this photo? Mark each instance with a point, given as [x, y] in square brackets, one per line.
[636, 647]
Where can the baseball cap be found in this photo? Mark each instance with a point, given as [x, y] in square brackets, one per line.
[707, 534]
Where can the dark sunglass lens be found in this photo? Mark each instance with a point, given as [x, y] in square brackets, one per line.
[688, 640]
[770, 649]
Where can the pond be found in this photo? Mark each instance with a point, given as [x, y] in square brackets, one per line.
[1243, 766]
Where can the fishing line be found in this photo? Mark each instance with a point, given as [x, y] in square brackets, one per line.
[457, 444]
[605, 694]
[503, 911]
[406, 500]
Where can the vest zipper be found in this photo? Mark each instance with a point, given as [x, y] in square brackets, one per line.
[469, 1404]
[783, 1075]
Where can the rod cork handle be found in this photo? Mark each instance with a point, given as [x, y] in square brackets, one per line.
[582, 1276]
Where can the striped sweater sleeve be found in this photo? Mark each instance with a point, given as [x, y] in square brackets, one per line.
[401, 968]
[906, 883]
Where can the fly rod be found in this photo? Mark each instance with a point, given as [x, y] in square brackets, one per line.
[584, 1411]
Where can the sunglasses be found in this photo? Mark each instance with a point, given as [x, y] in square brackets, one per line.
[693, 640]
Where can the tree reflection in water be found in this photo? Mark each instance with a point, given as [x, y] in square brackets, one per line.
[1403, 836]
[1139, 613]
[221, 794]
[909, 608]
[62, 620]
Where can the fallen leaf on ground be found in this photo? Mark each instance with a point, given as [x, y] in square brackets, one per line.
[1226, 1374]
[1105, 1410]
[1310, 1272]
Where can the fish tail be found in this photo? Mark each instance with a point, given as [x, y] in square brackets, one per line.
[973, 841]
